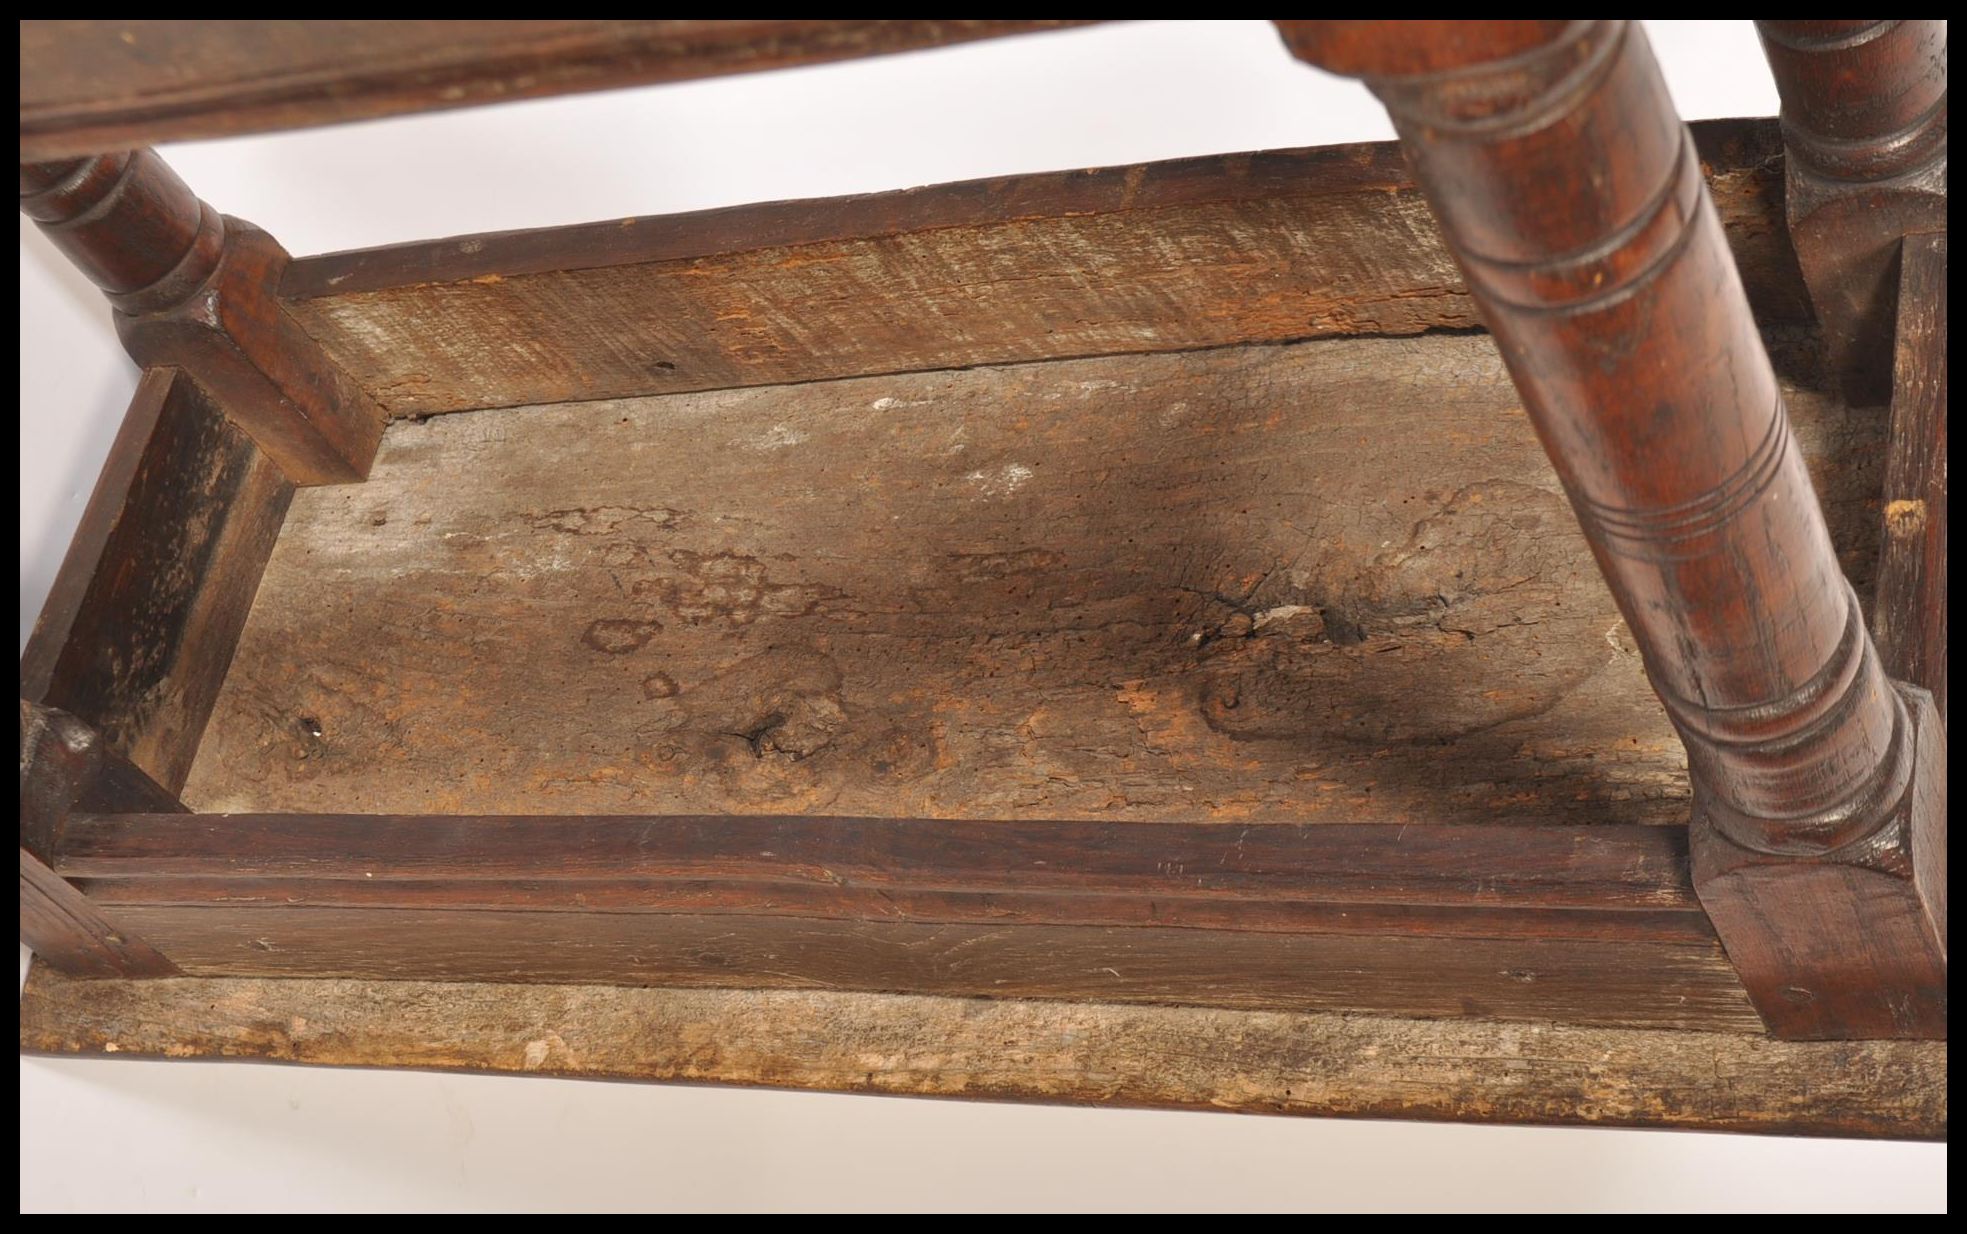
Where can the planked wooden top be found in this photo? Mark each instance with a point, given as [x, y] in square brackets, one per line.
[91, 86]
[1006, 1049]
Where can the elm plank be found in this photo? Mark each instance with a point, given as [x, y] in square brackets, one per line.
[1207, 1059]
[142, 619]
[1572, 980]
[1268, 247]
[1185, 588]
[1910, 618]
[89, 86]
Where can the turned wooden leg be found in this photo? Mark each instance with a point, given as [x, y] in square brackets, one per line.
[1865, 128]
[196, 290]
[1570, 192]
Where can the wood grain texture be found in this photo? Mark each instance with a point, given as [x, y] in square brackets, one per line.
[233, 336]
[66, 768]
[1910, 618]
[128, 223]
[90, 86]
[1256, 1061]
[1160, 257]
[1865, 123]
[194, 290]
[1853, 943]
[64, 763]
[851, 901]
[1183, 588]
[1591, 925]
[1359, 47]
[1617, 306]
[141, 622]
[64, 928]
[69, 592]
[1600, 869]
[1581, 981]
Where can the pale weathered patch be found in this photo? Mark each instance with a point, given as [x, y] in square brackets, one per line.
[1342, 586]
[1259, 1061]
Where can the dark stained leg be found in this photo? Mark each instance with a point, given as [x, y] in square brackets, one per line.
[199, 291]
[1572, 197]
[1865, 126]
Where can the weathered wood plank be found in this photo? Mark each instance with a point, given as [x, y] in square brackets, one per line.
[1910, 618]
[69, 593]
[142, 619]
[1580, 981]
[1267, 247]
[1187, 588]
[1257, 1061]
[91, 86]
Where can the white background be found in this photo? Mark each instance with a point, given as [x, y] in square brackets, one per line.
[216, 1137]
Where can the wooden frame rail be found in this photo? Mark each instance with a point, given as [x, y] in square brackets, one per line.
[1591, 926]
[1599, 240]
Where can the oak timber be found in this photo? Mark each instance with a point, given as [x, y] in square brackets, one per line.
[1911, 615]
[144, 614]
[1267, 247]
[65, 928]
[1865, 126]
[193, 289]
[1007, 1049]
[1628, 983]
[1192, 588]
[65, 765]
[1603, 869]
[1165, 588]
[1251, 674]
[90, 86]
[1595, 925]
[1570, 193]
